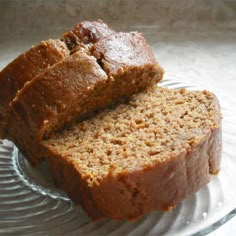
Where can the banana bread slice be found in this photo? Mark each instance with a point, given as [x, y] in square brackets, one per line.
[143, 156]
[80, 85]
[24, 68]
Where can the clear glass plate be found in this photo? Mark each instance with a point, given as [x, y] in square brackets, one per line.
[30, 203]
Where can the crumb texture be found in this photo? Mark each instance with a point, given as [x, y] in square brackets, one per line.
[152, 128]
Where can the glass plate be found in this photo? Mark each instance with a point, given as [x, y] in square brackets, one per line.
[30, 203]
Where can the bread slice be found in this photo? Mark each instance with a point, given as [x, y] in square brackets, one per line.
[40, 58]
[146, 155]
[52, 95]
[24, 68]
[89, 80]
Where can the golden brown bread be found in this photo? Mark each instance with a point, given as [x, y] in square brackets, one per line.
[24, 68]
[146, 155]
